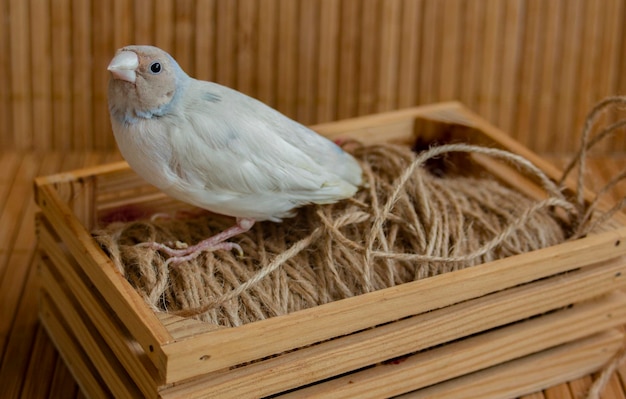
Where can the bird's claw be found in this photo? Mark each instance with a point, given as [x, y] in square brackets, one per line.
[188, 253]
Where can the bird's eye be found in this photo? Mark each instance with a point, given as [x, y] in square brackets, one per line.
[155, 67]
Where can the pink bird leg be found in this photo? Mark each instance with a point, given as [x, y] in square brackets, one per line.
[213, 243]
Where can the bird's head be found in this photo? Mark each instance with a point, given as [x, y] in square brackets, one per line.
[145, 82]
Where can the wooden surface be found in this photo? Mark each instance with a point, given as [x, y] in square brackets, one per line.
[30, 366]
[531, 67]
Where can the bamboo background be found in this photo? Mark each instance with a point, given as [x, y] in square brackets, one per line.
[532, 67]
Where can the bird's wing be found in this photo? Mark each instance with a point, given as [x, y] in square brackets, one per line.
[232, 143]
[322, 151]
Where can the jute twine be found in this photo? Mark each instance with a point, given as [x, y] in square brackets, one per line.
[410, 221]
[406, 224]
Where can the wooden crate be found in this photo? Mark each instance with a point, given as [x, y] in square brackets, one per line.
[499, 329]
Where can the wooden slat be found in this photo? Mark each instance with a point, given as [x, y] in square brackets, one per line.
[182, 327]
[452, 24]
[226, 25]
[113, 335]
[568, 82]
[521, 376]
[82, 90]
[144, 23]
[368, 71]
[103, 50]
[472, 354]
[348, 58]
[164, 12]
[20, 71]
[247, 41]
[286, 87]
[620, 141]
[7, 138]
[62, 71]
[267, 46]
[41, 70]
[390, 13]
[506, 106]
[205, 40]
[528, 76]
[489, 75]
[329, 25]
[547, 72]
[429, 61]
[410, 54]
[123, 19]
[307, 47]
[184, 34]
[611, 19]
[471, 44]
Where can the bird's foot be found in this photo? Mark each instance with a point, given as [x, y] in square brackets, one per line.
[183, 253]
[178, 255]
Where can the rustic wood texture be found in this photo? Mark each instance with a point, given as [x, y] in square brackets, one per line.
[30, 367]
[531, 67]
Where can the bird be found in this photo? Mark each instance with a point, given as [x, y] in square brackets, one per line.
[216, 148]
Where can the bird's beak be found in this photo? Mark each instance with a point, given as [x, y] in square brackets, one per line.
[124, 65]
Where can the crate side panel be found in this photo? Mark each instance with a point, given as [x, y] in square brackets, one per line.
[216, 350]
[476, 353]
[118, 293]
[522, 376]
[362, 349]
[95, 311]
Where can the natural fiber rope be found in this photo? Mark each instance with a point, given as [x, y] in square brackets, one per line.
[606, 373]
[406, 224]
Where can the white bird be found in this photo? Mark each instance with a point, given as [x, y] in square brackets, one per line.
[218, 149]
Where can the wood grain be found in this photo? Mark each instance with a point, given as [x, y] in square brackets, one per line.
[518, 377]
[533, 68]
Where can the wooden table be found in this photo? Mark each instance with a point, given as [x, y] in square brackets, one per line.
[30, 367]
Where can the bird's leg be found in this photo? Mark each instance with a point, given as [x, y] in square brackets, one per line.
[210, 244]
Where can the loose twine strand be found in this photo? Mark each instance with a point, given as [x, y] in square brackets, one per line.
[617, 103]
[410, 221]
